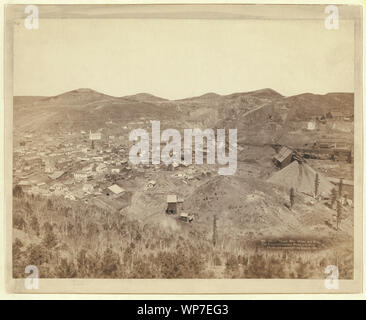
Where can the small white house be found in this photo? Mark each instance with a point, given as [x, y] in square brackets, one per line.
[116, 189]
[311, 125]
[101, 168]
[80, 176]
[88, 188]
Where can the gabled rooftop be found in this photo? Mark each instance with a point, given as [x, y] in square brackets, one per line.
[283, 154]
[116, 189]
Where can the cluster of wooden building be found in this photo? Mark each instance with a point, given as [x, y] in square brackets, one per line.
[175, 208]
[322, 149]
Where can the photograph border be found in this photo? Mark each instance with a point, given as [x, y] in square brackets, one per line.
[180, 286]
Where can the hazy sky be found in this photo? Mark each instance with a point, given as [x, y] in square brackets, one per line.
[182, 58]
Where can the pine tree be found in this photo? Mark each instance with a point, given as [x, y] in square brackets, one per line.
[49, 204]
[339, 214]
[349, 157]
[49, 240]
[214, 231]
[340, 187]
[35, 225]
[292, 197]
[316, 185]
[333, 197]
[18, 191]
[110, 263]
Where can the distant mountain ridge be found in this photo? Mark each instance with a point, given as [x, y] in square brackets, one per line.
[144, 97]
[90, 94]
[84, 109]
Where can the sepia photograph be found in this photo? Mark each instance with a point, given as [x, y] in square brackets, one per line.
[183, 148]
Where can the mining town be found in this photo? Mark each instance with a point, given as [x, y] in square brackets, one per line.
[79, 201]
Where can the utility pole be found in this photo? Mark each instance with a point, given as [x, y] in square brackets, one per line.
[340, 188]
[214, 231]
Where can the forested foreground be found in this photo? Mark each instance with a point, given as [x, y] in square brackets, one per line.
[67, 239]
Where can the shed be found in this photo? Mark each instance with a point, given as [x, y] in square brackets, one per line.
[186, 217]
[24, 183]
[172, 201]
[87, 187]
[56, 175]
[336, 115]
[311, 125]
[116, 189]
[283, 157]
[172, 198]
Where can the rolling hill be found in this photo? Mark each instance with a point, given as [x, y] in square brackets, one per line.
[261, 116]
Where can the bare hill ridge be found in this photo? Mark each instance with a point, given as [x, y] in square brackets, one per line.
[84, 95]
[147, 97]
[251, 113]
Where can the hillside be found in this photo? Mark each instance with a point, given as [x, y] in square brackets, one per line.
[307, 105]
[81, 109]
[254, 214]
[261, 116]
[145, 97]
[77, 97]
